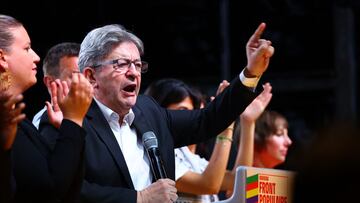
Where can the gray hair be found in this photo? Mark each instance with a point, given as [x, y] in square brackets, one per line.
[100, 42]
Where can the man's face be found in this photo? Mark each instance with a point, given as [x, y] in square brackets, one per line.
[68, 65]
[118, 90]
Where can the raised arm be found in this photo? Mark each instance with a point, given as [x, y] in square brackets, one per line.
[53, 110]
[73, 102]
[258, 52]
[247, 130]
[210, 180]
[66, 159]
[246, 145]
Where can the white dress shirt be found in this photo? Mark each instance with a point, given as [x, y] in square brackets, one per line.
[132, 148]
[37, 118]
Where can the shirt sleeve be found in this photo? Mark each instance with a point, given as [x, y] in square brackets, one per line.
[249, 82]
[180, 164]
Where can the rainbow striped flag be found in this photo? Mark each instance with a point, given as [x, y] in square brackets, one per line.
[252, 189]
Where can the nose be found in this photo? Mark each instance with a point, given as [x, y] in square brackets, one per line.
[288, 141]
[36, 57]
[132, 65]
[131, 70]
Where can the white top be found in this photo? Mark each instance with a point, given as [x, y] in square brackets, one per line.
[37, 117]
[186, 161]
[132, 148]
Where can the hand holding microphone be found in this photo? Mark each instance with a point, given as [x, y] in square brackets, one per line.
[163, 190]
[156, 164]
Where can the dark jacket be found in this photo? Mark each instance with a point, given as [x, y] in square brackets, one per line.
[44, 175]
[107, 177]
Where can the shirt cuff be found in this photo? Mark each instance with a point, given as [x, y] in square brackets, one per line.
[249, 82]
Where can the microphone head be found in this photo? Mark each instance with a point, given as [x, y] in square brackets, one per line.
[149, 139]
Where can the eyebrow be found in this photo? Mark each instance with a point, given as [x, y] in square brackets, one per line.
[26, 44]
[138, 59]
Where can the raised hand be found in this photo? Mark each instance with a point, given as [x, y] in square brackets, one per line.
[10, 115]
[258, 52]
[163, 190]
[53, 110]
[224, 84]
[74, 102]
[258, 105]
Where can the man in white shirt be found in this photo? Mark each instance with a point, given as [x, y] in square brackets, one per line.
[117, 168]
[59, 63]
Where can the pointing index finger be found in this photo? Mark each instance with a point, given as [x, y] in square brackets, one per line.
[258, 32]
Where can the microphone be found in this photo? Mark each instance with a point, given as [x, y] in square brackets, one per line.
[151, 145]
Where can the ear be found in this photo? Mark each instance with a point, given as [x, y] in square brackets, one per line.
[3, 63]
[89, 74]
[47, 81]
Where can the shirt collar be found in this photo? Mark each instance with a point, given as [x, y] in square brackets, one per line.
[110, 115]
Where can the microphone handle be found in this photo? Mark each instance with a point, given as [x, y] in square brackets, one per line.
[157, 165]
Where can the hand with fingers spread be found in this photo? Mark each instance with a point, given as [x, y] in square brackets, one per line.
[258, 105]
[53, 110]
[10, 115]
[248, 118]
[74, 102]
[258, 52]
[163, 190]
[247, 122]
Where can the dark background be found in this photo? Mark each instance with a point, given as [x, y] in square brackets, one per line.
[313, 72]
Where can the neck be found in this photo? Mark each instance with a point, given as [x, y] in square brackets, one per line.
[112, 106]
[13, 90]
[258, 162]
[261, 161]
[192, 148]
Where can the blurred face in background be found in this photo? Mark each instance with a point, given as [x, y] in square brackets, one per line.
[277, 145]
[185, 104]
[68, 65]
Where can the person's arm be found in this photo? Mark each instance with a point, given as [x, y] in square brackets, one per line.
[10, 115]
[210, 180]
[67, 156]
[224, 109]
[48, 131]
[54, 113]
[258, 52]
[6, 184]
[73, 102]
[95, 193]
[247, 130]
[162, 190]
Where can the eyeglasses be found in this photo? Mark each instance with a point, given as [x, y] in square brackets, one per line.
[123, 64]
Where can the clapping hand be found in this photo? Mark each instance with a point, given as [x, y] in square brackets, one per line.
[10, 115]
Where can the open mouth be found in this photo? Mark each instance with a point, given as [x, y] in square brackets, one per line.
[130, 88]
